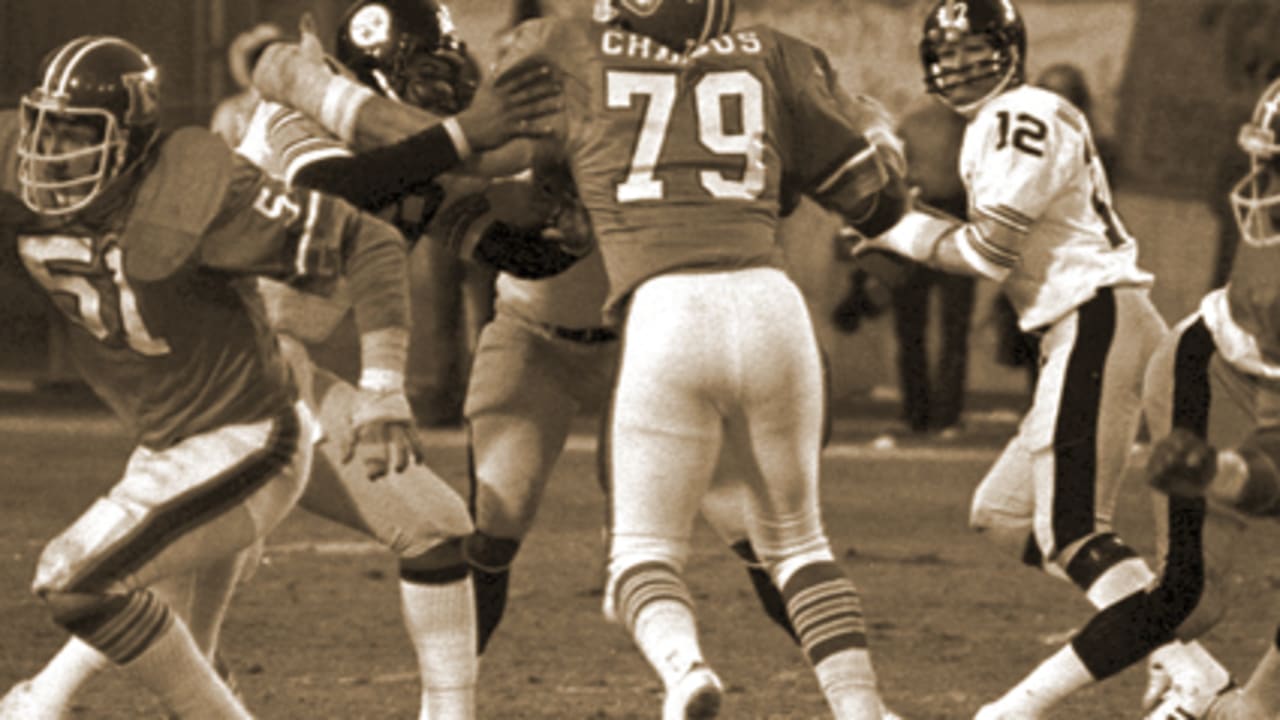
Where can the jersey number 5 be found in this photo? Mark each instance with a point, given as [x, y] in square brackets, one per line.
[105, 305]
[709, 93]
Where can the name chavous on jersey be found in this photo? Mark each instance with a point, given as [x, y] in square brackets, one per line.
[622, 43]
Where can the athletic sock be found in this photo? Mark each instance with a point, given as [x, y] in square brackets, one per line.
[65, 673]
[439, 614]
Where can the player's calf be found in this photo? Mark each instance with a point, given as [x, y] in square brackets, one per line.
[771, 600]
[438, 603]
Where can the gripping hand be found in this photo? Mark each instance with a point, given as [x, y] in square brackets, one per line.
[383, 433]
[1182, 464]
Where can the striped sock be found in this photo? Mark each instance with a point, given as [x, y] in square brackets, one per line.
[140, 634]
[827, 614]
[655, 607]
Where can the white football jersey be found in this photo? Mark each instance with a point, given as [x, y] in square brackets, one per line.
[1029, 163]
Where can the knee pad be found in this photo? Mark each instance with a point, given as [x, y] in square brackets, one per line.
[70, 609]
[442, 564]
[1089, 559]
[488, 553]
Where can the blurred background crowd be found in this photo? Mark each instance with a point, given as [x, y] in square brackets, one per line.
[1166, 84]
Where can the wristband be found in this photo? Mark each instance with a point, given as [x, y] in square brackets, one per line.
[342, 101]
[383, 355]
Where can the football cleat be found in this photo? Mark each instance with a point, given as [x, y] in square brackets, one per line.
[696, 696]
[1181, 701]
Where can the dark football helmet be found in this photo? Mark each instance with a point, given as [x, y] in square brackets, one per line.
[952, 30]
[407, 50]
[92, 116]
[678, 24]
[1256, 198]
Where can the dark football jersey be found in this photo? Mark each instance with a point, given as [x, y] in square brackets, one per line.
[680, 159]
[161, 319]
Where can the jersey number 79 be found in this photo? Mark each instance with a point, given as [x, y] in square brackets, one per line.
[660, 90]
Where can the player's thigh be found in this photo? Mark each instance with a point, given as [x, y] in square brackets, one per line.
[1139, 331]
[524, 393]
[781, 397]
[177, 509]
[409, 512]
[666, 414]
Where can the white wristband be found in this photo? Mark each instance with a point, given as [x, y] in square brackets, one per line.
[343, 99]
[458, 137]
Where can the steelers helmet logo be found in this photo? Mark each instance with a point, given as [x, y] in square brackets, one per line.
[370, 26]
[954, 18]
[641, 7]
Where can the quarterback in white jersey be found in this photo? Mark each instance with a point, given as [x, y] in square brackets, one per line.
[1042, 225]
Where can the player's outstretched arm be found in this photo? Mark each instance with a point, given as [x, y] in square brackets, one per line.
[510, 105]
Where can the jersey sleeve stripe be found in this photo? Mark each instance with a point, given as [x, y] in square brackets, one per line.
[1070, 119]
[867, 154]
[302, 266]
[989, 251]
[1007, 216]
[981, 255]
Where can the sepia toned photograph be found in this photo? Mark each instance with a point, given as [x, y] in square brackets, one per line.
[640, 359]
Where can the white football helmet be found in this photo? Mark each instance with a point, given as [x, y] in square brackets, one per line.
[1256, 198]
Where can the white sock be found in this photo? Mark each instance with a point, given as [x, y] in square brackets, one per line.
[441, 620]
[848, 681]
[65, 673]
[173, 668]
[1056, 677]
[667, 634]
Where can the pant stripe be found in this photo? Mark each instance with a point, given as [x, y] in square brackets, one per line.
[177, 517]
[1075, 440]
[1191, 379]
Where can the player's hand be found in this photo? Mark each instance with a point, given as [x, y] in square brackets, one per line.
[383, 434]
[1182, 464]
[520, 102]
[285, 69]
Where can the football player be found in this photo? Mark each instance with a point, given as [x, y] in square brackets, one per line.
[548, 352]
[1213, 406]
[413, 512]
[678, 134]
[729, 170]
[1042, 225]
[147, 243]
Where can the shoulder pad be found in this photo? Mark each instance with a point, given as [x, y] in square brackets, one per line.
[179, 196]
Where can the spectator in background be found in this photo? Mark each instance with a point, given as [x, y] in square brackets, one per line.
[232, 114]
[932, 398]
